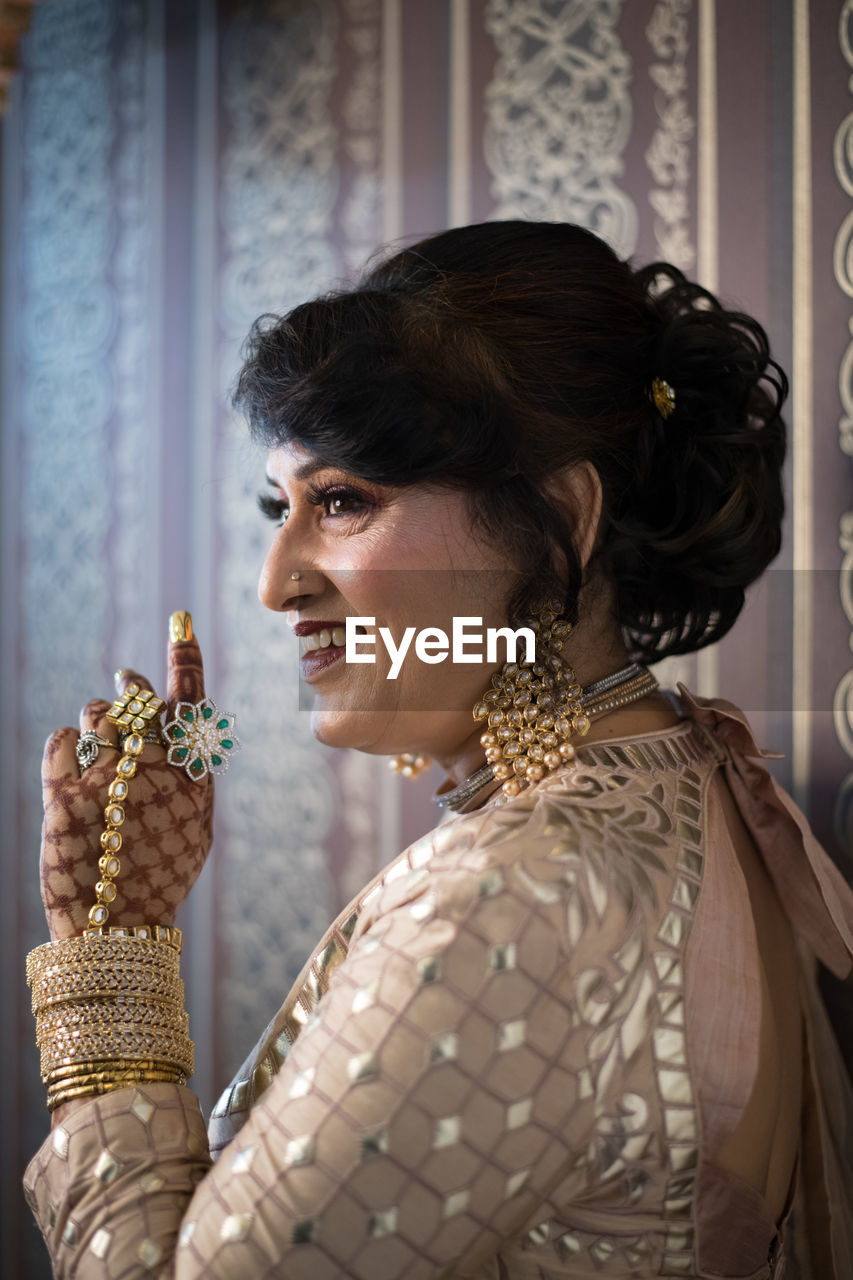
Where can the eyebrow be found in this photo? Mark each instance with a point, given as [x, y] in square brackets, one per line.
[304, 472]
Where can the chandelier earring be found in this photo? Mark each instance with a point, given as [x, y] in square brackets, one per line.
[533, 709]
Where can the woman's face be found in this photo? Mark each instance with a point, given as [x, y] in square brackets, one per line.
[408, 558]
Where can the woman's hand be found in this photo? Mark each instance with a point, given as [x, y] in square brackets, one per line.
[167, 830]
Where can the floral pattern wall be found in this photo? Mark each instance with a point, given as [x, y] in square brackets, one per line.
[169, 172]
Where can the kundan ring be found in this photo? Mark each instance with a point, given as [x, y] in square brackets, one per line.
[200, 738]
[136, 710]
[88, 746]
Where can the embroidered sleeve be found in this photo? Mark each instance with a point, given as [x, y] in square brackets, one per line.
[460, 1081]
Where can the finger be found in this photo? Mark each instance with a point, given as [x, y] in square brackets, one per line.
[59, 761]
[186, 671]
[93, 719]
[127, 676]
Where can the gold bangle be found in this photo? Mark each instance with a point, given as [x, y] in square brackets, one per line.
[163, 994]
[69, 1019]
[171, 1075]
[71, 1070]
[136, 963]
[127, 1011]
[94, 1084]
[76, 984]
[67, 1068]
[99, 940]
[157, 945]
[109, 1008]
[59, 1042]
[56, 1099]
[112, 1042]
[160, 1071]
[165, 1047]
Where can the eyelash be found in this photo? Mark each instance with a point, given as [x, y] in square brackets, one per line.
[318, 496]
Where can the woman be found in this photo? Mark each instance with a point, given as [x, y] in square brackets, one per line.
[573, 1031]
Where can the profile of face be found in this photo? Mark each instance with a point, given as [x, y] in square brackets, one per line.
[409, 558]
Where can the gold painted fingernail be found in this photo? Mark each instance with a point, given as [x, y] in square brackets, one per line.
[180, 627]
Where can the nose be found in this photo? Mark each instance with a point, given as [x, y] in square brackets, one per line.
[280, 582]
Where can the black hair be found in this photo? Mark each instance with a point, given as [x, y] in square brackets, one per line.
[492, 356]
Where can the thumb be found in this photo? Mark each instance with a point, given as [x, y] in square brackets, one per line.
[185, 681]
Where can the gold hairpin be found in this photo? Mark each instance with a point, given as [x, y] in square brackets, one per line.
[663, 397]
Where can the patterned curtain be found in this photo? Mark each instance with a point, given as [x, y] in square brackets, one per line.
[169, 172]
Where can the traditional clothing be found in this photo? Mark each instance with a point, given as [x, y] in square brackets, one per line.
[517, 1053]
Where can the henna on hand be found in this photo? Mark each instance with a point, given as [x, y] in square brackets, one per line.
[185, 673]
[168, 826]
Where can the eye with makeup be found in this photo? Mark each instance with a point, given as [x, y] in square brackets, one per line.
[338, 501]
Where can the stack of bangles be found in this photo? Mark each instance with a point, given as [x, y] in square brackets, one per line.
[109, 1009]
[109, 1004]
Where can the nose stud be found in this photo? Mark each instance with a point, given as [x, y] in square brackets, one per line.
[294, 577]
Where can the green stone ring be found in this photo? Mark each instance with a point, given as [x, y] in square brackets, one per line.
[200, 739]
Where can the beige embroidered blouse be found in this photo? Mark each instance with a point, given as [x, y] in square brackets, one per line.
[496, 1063]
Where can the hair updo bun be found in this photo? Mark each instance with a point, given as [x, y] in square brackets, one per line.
[699, 518]
[491, 357]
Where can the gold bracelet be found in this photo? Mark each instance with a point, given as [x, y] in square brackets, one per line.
[179, 1056]
[152, 943]
[72, 1025]
[110, 1040]
[71, 1069]
[86, 983]
[133, 1011]
[55, 1099]
[136, 1071]
[163, 994]
[160, 1071]
[113, 1042]
[132, 963]
[166, 1073]
[71, 1020]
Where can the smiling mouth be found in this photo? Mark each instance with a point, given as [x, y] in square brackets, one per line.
[325, 639]
[320, 648]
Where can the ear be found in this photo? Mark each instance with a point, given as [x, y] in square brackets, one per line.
[577, 491]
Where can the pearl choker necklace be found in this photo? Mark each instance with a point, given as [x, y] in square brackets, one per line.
[616, 690]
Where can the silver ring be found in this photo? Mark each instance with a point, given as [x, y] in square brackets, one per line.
[87, 748]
